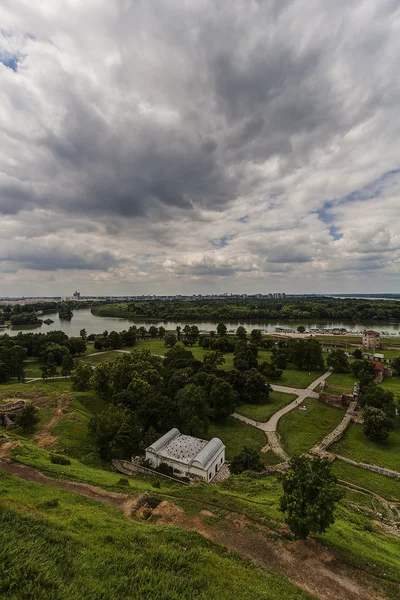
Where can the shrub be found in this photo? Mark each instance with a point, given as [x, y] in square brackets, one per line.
[123, 481]
[58, 459]
[152, 500]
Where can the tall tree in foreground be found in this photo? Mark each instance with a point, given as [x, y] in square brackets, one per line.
[310, 494]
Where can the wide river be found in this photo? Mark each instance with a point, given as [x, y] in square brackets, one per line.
[83, 319]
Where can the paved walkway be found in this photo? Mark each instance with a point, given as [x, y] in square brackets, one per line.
[270, 427]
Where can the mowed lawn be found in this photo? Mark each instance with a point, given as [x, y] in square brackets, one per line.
[300, 430]
[355, 445]
[235, 435]
[297, 378]
[340, 383]
[262, 412]
[392, 384]
[101, 357]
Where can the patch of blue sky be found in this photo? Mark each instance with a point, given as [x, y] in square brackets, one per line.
[11, 62]
[372, 190]
[222, 242]
[328, 218]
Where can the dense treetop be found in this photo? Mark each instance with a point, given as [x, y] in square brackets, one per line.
[289, 308]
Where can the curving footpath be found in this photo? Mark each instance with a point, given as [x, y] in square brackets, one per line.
[270, 427]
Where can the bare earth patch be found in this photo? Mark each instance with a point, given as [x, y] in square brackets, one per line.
[44, 438]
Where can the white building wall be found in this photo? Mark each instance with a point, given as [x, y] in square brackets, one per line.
[194, 469]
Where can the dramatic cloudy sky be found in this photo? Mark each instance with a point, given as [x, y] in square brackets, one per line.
[180, 146]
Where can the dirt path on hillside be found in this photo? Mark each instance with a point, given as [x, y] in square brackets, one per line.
[307, 564]
[83, 489]
[44, 438]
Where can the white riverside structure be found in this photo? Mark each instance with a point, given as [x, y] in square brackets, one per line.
[188, 456]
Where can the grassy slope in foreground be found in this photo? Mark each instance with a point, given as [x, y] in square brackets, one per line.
[300, 430]
[57, 546]
[353, 536]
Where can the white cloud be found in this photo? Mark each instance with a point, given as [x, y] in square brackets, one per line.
[170, 147]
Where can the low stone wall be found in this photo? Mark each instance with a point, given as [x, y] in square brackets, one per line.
[342, 401]
[336, 434]
[367, 467]
[9, 411]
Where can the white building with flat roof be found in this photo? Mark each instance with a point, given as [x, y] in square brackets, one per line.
[188, 456]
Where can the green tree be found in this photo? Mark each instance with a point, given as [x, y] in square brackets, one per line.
[248, 459]
[357, 354]
[161, 331]
[194, 334]
[338, 361]
[222, 329]
[80, 377]
[362, 367]
[170, 340]
[101, 379]
[310, 494]
[256, 336]
[241, 332]
[212, 360]
[28, 419]
[376, 424]
[280, 359]
[67, 364]
[65, 313]
[270, 370]
[244, 357]
[114, 340]
[153, 331]
[114, 430]
[396, 365]
[193, 410]
[301, 329]
[377, 397]
[51, 366]
[83, 334]
[256, 389]
[221, 399]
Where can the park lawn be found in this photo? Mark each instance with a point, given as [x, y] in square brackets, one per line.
[49, 387]
[263, 412]
[155, 346]
[32, 367]
[340, 383]
[300, 430]
[297, 378]
[236, 434]
[392, 384]
[101, 357]
[355, 445]
[389, 353]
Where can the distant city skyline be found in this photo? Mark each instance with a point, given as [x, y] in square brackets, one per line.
[191, 147]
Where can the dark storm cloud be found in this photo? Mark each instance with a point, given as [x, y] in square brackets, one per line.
[153, 127]
[53, 259]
